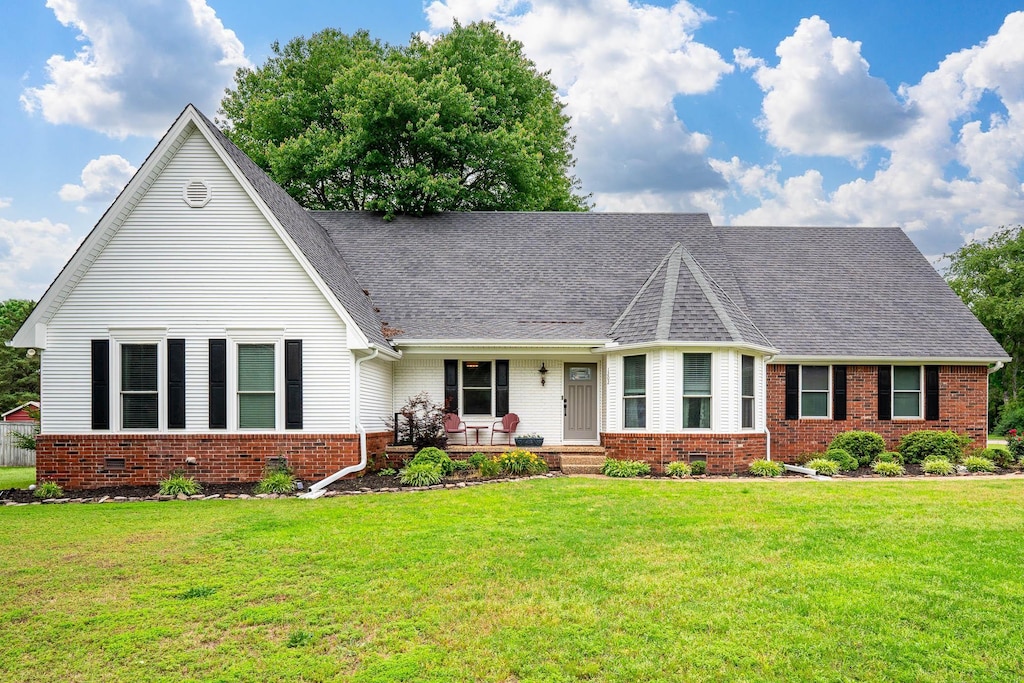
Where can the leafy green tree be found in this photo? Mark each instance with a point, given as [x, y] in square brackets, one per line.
[989, 277]
[19, 373]
[462, 123]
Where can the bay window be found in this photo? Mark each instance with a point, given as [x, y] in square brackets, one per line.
[634, 391]
[696, 391]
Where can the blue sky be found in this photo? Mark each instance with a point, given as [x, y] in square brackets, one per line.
[802, 113]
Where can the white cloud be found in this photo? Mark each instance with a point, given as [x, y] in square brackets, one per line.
[140, 64]
[820, 99]
[5, 202]
[618, 65]
[102, 179]
[31, 254]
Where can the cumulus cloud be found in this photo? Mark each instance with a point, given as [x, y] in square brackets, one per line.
[139, 65]
[821, 98]
[5, 202]
[102, 178]
[618, 66]
[31, 253]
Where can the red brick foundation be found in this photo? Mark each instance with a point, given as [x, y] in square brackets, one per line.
[724, 453]
[963, 407]
[83, 461]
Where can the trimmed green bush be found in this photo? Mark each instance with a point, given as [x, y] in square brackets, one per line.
[677, 469]
[890, 456]
[477, 459]
[888, 468]
[916, 446]
[766, 468]
[461, 466]
[976, 463]
[178, 483]
[847, 463]
[938, 465]
[625, 468]
[278, 480]
[824, 466]
[434, 456]
[521, 461]
[863, 446]
[1002, 457]
[47, 490]
[698, 467]
[421, 474]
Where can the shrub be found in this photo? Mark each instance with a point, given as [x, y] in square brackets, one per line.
[766, 468]
[1015, 445]
[805, 457]
[490, 468]
[938, 465]
[421, 474]
[420, 423]
[1012, 418]
[48, 489]
[521, 461]
[846, 462]
[677, 469]
[863, 446]
[178, 483]
[698, 467]
[977, 463]
[824, 466]
[277, 480]
[888, 468]
[461, 466]
[434, 456]
[387, 472]
[477, 459]
[890, 456]
[1000, 456]
[625, 468]
[916, 446]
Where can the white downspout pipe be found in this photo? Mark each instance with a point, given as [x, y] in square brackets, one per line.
[767, 432]
[320, 488]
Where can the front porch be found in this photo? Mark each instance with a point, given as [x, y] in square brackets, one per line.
[568, 459]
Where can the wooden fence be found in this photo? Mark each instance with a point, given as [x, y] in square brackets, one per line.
[11, 455]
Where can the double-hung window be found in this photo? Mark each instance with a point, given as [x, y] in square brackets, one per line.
[747, 392]
[696, 391]
[257, 386]
[476, 387]
[634, 391]
[140, 395]
[814, 390]
[906, 391]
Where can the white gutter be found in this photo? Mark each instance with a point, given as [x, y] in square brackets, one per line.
[320, 488]
[767, 432]
[663, 344]
[996, 368]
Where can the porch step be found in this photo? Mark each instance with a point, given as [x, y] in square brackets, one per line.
[581, 464]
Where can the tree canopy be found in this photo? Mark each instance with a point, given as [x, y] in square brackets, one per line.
[19, 373]
[989, 277]
[465, 122]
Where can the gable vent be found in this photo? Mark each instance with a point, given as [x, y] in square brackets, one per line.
[196, 193]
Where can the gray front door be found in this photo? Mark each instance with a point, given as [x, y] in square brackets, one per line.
[580, 402]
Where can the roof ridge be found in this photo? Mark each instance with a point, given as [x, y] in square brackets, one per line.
[640, 292]
[668, 295]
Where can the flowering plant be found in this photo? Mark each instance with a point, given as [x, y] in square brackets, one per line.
[1015, 444]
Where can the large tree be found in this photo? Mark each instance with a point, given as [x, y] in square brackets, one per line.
[465, 122]
[19, 372]
[989, 276]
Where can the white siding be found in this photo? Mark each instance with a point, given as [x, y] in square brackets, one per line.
[375, 399]
[199, 273]
[415, 374]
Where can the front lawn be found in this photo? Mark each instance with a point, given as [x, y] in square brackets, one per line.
[553, 579]
[17, 477]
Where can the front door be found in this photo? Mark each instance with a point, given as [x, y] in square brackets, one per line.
[580, 402]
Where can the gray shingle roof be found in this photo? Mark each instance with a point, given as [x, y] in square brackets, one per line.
[310, 237]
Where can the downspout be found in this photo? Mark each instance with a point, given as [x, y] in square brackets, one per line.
[767, 432]
[320, 488]
[996, 368]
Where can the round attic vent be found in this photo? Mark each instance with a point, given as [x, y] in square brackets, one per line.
[196, 193]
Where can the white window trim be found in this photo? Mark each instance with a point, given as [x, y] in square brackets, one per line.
[828, 394]
[236, 340]
[753, 394]
[646, 395]
[119, 338]
[494, 388]
[893, 391]
[713, 417]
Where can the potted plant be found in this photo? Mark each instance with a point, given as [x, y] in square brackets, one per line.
[529, 440]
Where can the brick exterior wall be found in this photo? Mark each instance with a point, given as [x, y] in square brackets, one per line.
[963, 407]
[724, 453]
[79, 461]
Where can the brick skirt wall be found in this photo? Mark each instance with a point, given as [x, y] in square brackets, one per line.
[82, 461]
[963, 407]
[724, 453]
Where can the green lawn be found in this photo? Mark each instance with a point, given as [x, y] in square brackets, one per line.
[17, 477]
[542, 580]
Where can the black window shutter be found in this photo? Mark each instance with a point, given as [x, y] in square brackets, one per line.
[500, 388]
[792, 392]
[100, 384]
[884, 392]
[293, 384]
[218, 384]
[838, 392]
[931, 392]
[451, 386]
[175, 383]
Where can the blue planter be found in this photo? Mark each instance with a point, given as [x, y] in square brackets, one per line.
[525, 442]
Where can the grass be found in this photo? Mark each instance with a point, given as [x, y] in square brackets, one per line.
[542, 580]
[17, 477]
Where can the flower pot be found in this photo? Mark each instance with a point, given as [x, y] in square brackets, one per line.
[529, 442]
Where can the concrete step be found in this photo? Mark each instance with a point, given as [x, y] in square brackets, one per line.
[582, 469]
[579, 459]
